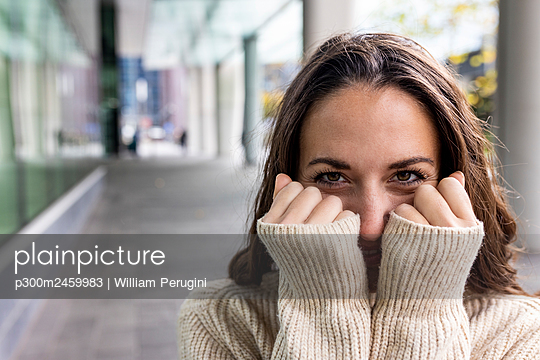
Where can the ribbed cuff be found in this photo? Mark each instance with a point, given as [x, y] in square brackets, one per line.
[426, 262]
[318, 261]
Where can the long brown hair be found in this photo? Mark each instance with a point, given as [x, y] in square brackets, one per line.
[379, 61]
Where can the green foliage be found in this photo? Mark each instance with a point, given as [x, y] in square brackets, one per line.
[271, 102]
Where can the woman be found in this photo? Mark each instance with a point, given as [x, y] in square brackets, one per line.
[381, 209]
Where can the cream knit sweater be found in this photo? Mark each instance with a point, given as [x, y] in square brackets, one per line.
[317, 305]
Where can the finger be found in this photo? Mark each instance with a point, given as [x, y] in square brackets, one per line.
[344, 214]
[302, 206]
[282, 180]
[326, 211]
[409, 212]
[432, 206]
[282, 201]
[457, 199]
[459, 176]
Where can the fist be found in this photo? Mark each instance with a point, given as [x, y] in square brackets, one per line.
[294, 204]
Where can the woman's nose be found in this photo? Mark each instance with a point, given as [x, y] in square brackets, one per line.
[374, 209]
[372, 225]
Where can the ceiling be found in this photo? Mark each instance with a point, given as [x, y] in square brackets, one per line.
[166, 33]
[210, 31]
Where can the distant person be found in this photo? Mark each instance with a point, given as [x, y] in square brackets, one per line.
[132, 147]
[183, 141]
[382, 230]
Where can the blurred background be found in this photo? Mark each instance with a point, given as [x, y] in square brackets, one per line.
[149, 117]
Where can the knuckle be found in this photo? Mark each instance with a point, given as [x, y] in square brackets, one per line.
[313, 192]
[289, 192]
[449, 182]
[424, 190]
[333, 200]
[403, 209]
[295, 186]
[312, 189]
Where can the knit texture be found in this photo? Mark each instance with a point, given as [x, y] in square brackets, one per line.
[316, 306]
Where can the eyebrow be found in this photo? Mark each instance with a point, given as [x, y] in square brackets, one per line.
[341, 165]
[332, 162]
[408, 162]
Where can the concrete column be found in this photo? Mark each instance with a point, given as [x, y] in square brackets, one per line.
[252, 111]
[7, 136]
[194, 123]
[324, 18]
[109, 79]
[231, 108]
[218, 120]
[519, 109]
[52, 110]
[26, 99]
[208, 110]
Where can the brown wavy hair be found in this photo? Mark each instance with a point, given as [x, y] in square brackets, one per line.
[380, 61]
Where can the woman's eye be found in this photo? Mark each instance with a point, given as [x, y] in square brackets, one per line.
[332, 176]
[407, 177]
[404, 176]
[329, 179]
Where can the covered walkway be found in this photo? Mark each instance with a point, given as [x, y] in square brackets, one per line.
[152, 196]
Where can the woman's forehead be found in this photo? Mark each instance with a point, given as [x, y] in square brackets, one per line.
[374, 124]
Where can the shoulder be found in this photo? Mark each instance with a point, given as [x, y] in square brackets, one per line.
[230, 318]
[504, 305]
[505, 323]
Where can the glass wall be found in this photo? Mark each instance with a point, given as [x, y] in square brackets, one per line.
[50, 133]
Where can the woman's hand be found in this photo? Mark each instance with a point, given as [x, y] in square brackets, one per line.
[317, 259]
[294, 204]
[446, 205]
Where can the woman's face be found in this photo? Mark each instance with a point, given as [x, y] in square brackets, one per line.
[372, 149]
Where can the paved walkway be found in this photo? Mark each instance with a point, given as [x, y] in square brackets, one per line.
[148, 196]
[151, 197]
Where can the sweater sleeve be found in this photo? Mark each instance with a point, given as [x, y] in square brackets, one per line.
[323, 305]
[419, 312]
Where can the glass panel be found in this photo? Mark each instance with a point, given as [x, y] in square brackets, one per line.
[49, 125]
